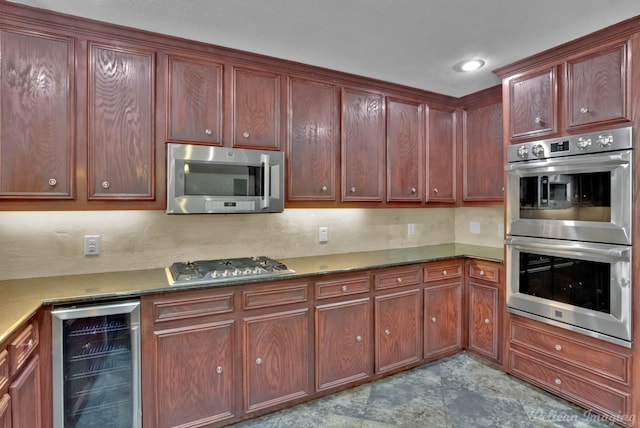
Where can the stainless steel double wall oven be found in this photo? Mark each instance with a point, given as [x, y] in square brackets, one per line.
[569, 243]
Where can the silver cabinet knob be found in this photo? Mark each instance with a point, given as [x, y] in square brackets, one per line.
[435, 190]
[444, 273]
[399, 280]
[53, 182]
[353, 190]
[30, 344]
[208, 131]
[584, 110]
[387, 332]
[413, 190]
[433, 319]
[106, 184]
[246, 134]
[219, 369]
[558, 381]
[345, 288]
[258, 361]
[538, 120]
[486, 320]
[481, 272]
[358, 338]
[558, 348]
[323, 188]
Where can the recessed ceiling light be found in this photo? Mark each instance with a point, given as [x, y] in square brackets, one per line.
[469, 65]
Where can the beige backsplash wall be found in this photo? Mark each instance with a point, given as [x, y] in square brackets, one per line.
[51, 243]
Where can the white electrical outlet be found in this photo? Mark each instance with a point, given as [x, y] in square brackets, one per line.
[474, 227]
[91, 245]
[501, 229]
[323, 234]
[411, 229]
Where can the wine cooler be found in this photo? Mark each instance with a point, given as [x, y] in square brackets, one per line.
[96, 366]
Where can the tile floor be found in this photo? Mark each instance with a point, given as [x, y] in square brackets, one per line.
[456, 392]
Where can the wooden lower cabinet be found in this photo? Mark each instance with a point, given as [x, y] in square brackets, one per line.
[5, 411]
[443, 318]
[26, 410]
[343, 343]
[484, 308]
[275, 358]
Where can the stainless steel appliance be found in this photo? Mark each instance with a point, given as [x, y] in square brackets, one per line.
[206, 180]
[569, 223]
[96, 366]
[225, 270]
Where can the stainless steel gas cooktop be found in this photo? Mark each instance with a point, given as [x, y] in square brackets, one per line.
[225, 270]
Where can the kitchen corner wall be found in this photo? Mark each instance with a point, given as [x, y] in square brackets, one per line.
[39, 244]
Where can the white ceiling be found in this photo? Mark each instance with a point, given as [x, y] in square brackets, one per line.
[410, 42]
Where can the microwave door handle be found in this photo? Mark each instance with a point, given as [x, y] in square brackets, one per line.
[266, 181]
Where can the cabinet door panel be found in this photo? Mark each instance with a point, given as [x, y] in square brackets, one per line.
[533, 104]
[36, 137]
[195, 101]
[441, 149]
[25, 395]
[343, 343]
[313, 145]
[363, 146]
[194, 374]
[405, 142]
[483, 154]
[276, 358]
[597, 88]
[256, 109]
[483, 319]
[5, 411]
[121, 138]
[398, 330]
[443, 318]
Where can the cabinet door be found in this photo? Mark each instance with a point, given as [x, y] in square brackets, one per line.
[36, 136]
[483, 157]
[195, 101]
[405, 142]
[343, 343]
[443, 318]
[276, 358]
[363, 146]
[120, 122]
[256, 109]
[26, 409]
[483, 319]
[533, 104]
[398, 330]
[194, 374]
[313, 145]
[5, 411]
[597, 89]
[441, 156]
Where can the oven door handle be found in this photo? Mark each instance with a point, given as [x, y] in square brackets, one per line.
[266, 181]
[571, 248]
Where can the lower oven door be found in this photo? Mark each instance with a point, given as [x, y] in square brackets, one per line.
[580, 286]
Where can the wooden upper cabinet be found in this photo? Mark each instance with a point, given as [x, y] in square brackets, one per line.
[195, 101]
[533, 104]
[312, 151]
[482, 144]
[121, 143]
[36, 105]
[405, 142]
[597, 87]
[441, 155]
[256, 109]
[363, 146]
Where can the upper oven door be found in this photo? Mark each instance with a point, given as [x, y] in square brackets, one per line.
[582, 197]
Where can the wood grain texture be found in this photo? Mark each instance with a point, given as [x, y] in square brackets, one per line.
[533, 104]
[26, 409]
[5, 411]
[483, 319]
[442, 318]
[441, 156]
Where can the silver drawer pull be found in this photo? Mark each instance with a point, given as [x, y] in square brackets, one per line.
[53, 182]
[323, 188]
[30, 344]
[358, 338]
[433, 319]
[558, 381]
[258, 361]
[558, 347]
[246, 134]
[345, 288]
[353, 190]
[481, 273]
[399, 280]
[538, 120]
[486, 321]
[208, 131]
[435, 190]
[413, 190]
[584, 110]
[444, 273]
[387, 332]
[106, 184]
[219, 369]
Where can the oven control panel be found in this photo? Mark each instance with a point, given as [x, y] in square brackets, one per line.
[603, 141]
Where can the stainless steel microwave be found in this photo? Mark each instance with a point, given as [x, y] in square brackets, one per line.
[209, 180]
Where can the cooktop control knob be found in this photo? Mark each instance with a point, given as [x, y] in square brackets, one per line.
[537, 150]
[583, 143]
[605, 140]
[522, 152]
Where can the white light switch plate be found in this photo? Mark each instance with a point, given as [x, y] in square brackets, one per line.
[323, 234]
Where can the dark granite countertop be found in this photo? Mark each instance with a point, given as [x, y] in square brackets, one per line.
[21, 298]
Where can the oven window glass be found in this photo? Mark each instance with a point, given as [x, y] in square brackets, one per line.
[579, 196]
[207, 179]
[580, 283]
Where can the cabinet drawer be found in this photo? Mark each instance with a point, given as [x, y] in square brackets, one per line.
[254, 297]
[22, 347]
[4, 370]
[342, 286]
[588, 355]
[199, 305]
[568, 385]
[438, 271]
[484, 271]
[400, 277]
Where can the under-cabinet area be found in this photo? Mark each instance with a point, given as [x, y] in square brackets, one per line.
[224, 354]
